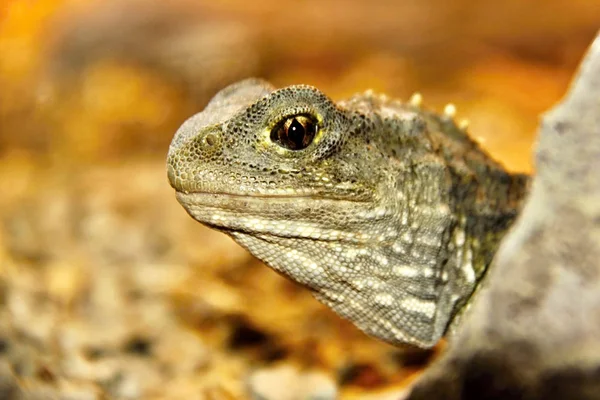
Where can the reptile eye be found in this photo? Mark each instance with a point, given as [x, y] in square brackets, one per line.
[295, 133]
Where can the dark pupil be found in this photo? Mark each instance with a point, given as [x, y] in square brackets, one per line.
[295, 133]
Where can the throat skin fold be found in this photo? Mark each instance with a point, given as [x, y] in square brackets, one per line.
[389, 213]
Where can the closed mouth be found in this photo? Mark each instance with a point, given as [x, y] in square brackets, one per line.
[277, 215]
[222, 200]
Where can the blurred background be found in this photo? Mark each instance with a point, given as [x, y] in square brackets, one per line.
[108, 289]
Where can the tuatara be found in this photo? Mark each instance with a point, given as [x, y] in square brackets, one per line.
[390, 214]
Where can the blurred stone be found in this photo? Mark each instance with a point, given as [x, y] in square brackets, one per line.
[285, 382]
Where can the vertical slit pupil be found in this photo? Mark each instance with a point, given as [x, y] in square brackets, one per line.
[295, 133]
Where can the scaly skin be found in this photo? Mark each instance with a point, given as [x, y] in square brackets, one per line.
[390, 214]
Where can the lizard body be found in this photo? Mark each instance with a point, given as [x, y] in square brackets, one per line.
[388, 213]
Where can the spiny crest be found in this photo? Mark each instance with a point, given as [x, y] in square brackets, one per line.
[416, 101]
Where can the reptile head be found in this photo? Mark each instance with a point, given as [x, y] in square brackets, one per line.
[252, 140]
[275, 163]
[312, 189]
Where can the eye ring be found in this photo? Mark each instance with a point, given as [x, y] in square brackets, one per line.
[296, 132]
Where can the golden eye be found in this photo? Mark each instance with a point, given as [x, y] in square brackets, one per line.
[295, 133]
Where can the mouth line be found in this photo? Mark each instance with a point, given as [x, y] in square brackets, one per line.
[265, 196]
[264, 214]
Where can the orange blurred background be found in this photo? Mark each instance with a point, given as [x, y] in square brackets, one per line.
[95, 80]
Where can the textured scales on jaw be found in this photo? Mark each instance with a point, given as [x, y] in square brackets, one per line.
[389, 213]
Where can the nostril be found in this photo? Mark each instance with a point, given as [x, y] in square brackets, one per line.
[210, 139]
